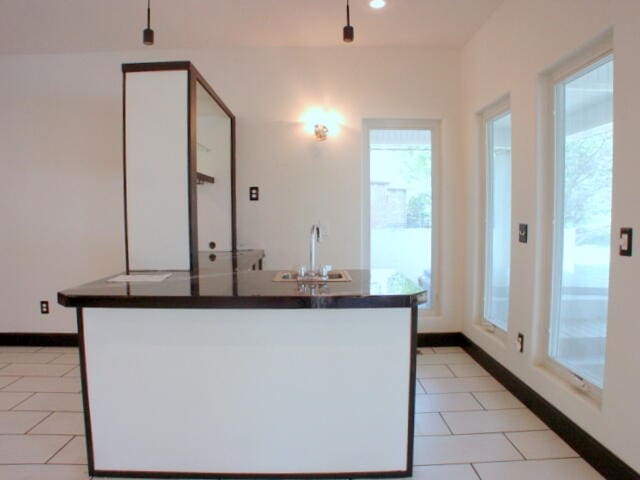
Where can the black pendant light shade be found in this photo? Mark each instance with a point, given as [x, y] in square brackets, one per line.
[347, 31]
[147, 34]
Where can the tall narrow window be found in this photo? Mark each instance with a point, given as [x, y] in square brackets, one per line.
[400, 207]
[582, 219]
[498, 219]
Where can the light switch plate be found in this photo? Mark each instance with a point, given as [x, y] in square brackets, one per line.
[523, 233]
[626, 242]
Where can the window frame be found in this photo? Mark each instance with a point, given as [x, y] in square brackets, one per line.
[434, 126]
[497, 110]
[591, 56]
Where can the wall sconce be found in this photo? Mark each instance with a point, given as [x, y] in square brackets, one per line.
[321, 123]
[321, 131]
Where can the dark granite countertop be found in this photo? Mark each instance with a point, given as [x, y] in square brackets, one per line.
[226, 262]
[247, 289]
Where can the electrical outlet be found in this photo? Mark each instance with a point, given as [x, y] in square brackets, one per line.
[324, 230]
[520, 343]
[44, 307]
[254, 194]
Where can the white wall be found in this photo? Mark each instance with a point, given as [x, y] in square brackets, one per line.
[507, 55]
[61, 203]
[61, 149]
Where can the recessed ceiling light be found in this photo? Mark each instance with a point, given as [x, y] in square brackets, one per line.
[377, 3]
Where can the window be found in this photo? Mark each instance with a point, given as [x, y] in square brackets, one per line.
[401, 213]
[497, 218]
[583, 133]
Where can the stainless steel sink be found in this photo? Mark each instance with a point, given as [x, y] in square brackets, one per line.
[332, 276]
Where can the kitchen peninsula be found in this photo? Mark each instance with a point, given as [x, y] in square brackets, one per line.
[233, 374]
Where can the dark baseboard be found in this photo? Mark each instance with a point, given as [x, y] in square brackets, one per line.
[447, 339]
[39, 339]
[600, 458]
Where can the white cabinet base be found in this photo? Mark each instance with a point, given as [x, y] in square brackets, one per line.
[256, 392]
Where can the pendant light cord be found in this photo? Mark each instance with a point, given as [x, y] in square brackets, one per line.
[148, 13]
[348, 16]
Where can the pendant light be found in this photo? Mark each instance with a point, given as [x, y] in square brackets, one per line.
[147, 34]
[347, 31]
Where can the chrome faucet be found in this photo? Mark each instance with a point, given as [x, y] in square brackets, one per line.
[314, 238]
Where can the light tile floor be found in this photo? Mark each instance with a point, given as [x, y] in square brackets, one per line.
[467, 426]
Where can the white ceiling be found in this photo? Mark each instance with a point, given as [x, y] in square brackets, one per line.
[39, 26]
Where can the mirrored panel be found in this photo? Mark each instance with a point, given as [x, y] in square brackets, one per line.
[213, 164]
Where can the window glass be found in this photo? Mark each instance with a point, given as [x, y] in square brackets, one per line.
[498, 220]
[401, 203]
[582, 231]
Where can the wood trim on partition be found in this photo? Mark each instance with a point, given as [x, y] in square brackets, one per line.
[274, 476]
[39, 339]
[155, 66]
[234, 233]
[124, 168]
[85, 393]
[412, 388]
[192, 166]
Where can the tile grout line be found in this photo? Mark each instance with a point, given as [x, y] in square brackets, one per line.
[467, 463]
[514, 445]
[9, 384]
[21, 401]
[476, 410]
[61, 365]
[473, 394]
[59, 450]
[422, 385]
[496, 432]
[451, 411]
[434, 378]
[68, 371]
[475, 471]
[54, 359]
[66, 375]
[446, 424]
[34, 426]
[451, 370]
[527, 461]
